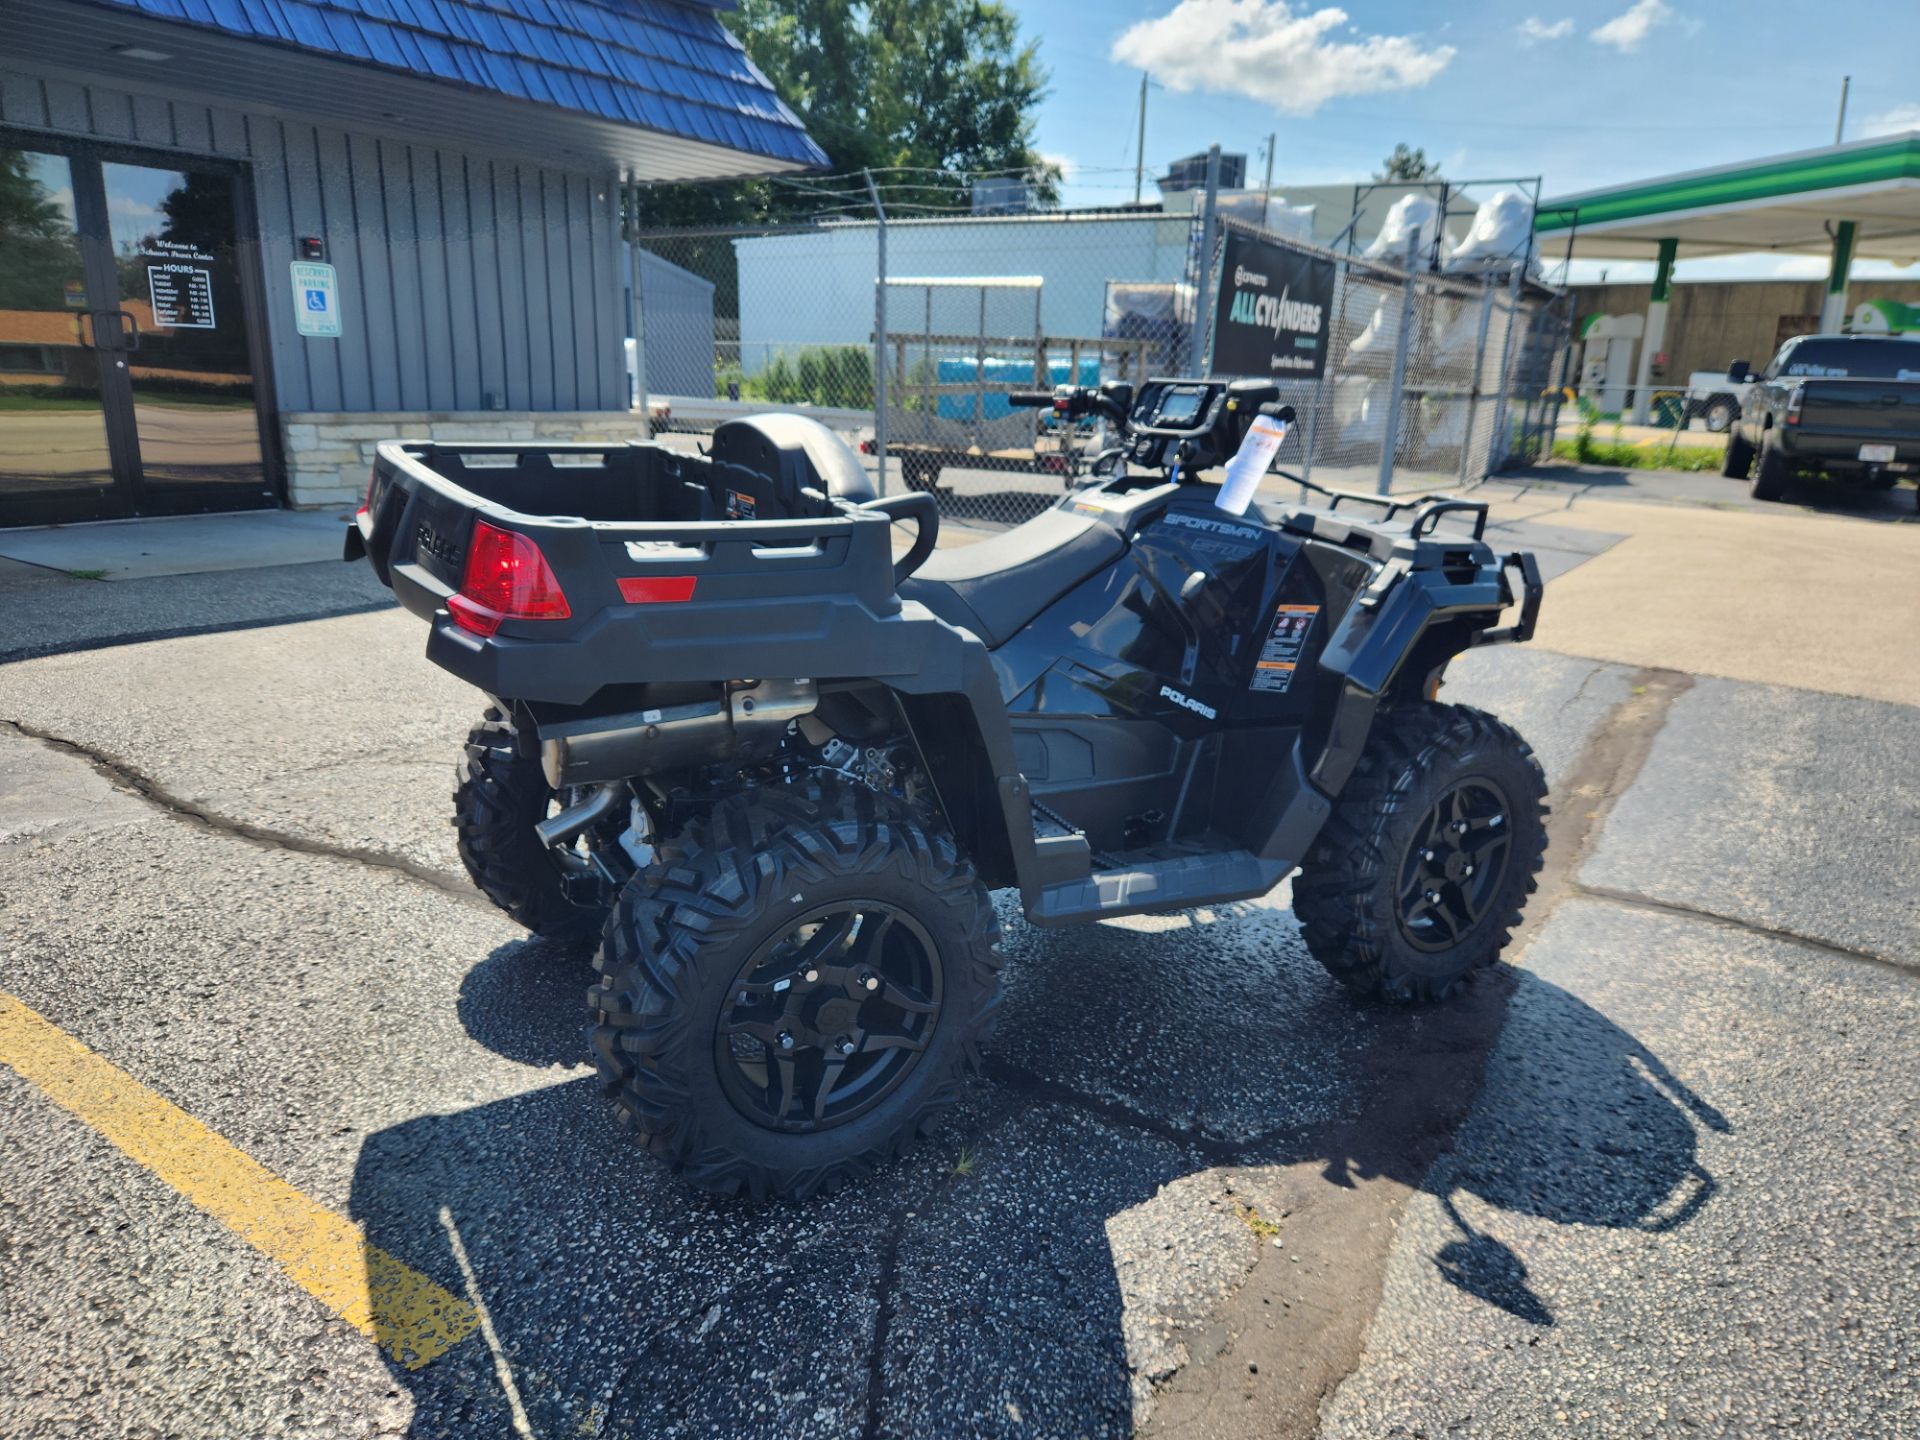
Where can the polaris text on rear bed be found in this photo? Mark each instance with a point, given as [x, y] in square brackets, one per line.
[775, 771]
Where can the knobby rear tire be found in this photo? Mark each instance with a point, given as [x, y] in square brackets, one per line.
[1346, 895]
[502, 795]
[681, 930]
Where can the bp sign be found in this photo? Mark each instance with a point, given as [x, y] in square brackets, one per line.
[1274, 308]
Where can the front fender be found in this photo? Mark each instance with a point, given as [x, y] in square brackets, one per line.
[1389, 624]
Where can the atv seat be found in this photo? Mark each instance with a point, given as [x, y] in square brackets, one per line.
[995, 587]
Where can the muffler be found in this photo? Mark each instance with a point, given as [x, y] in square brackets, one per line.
[744, 723]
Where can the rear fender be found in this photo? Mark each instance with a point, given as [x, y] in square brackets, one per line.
[959, 724]
[953, 757]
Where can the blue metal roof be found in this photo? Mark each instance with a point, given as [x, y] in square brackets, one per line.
[666, 65]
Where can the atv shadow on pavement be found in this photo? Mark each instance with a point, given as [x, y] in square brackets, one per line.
[1061, 1245]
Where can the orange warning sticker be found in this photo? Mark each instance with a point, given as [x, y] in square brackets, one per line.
[1284, 645]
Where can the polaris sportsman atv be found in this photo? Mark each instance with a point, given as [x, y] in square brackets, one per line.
[776, 770]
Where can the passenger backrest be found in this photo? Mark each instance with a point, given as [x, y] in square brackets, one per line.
[795, 453]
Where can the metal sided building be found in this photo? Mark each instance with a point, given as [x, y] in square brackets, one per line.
[240, 240]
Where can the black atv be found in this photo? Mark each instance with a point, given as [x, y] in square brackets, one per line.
[776, 769]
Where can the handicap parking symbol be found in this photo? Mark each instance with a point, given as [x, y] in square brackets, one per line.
[315, 291]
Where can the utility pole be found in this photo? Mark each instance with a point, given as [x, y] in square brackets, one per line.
[1840, 125]
[1140, 145]
[636, 319]
[880, 358]
[1209, 235]
[1266, 195]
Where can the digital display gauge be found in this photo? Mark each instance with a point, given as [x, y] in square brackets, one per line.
[1179, 409]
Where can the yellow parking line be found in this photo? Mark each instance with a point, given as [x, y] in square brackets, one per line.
[397, 1307]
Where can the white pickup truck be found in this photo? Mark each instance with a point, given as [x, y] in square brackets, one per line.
[1716, 399]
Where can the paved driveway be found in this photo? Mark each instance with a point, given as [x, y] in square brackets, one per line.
[297, 1136]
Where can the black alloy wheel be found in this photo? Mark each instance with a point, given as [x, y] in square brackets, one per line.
[796, 990]
[829, 1017]
[1420, 874]
[1455, 865]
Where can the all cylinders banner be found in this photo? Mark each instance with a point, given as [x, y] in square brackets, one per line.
[1273, 313]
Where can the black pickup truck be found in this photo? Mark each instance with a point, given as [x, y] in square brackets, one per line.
[1846, 406]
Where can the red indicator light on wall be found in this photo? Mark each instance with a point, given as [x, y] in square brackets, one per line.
[657, 589]
[507, 578]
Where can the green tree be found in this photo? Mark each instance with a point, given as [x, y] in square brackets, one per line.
[1407, 165]
[38, 252]
[904, 87]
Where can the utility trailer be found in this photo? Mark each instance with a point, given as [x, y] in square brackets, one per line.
[947, 379]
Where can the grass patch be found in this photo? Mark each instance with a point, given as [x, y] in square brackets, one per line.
[55, 399]
[1259, 1224]
[85, 574]
[1583, 449]
[14, 403]
[964, 1165]
[205, 399]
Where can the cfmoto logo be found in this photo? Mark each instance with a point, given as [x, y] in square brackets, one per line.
[1187, 702]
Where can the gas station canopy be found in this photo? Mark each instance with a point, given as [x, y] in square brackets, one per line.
[1788, 204]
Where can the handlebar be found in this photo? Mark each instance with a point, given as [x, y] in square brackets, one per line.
[1072, 402]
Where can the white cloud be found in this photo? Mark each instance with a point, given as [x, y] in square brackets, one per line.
[1890, 122]
[1262, 49]
[1065, 164]
[1534, 30]
[131, 208]
[1627, 30]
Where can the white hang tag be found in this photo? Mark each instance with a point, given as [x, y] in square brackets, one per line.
[1250, 463]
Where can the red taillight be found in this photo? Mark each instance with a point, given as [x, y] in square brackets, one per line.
[366, 504]
[656, 589]
[1793, 405]
[507, 578]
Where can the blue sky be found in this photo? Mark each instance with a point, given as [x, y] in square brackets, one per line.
[1581, 92]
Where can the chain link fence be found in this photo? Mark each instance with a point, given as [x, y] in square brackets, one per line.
[908, 335]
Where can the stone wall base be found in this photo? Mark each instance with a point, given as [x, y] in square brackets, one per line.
[329, 453]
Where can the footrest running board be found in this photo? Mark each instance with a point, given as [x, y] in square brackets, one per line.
[1171, 884]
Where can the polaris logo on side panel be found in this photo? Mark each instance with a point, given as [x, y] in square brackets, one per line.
[429, 541]
[1187, 702]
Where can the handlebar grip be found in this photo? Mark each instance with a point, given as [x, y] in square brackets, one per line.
[1031, 399]
[1282, 413]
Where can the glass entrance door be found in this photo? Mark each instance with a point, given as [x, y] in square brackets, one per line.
[126, 379]
[178, 277]
[56, 458]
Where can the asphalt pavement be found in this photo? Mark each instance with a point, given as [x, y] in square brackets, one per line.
[1654, 1177]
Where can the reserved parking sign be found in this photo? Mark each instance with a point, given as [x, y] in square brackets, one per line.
[316, 300]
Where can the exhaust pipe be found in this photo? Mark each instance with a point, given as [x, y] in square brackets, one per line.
[745, 722]
[570, 822]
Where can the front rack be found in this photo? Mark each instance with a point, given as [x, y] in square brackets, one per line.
[1428, 508]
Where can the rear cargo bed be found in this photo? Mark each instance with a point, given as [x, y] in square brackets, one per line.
[655, 556]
